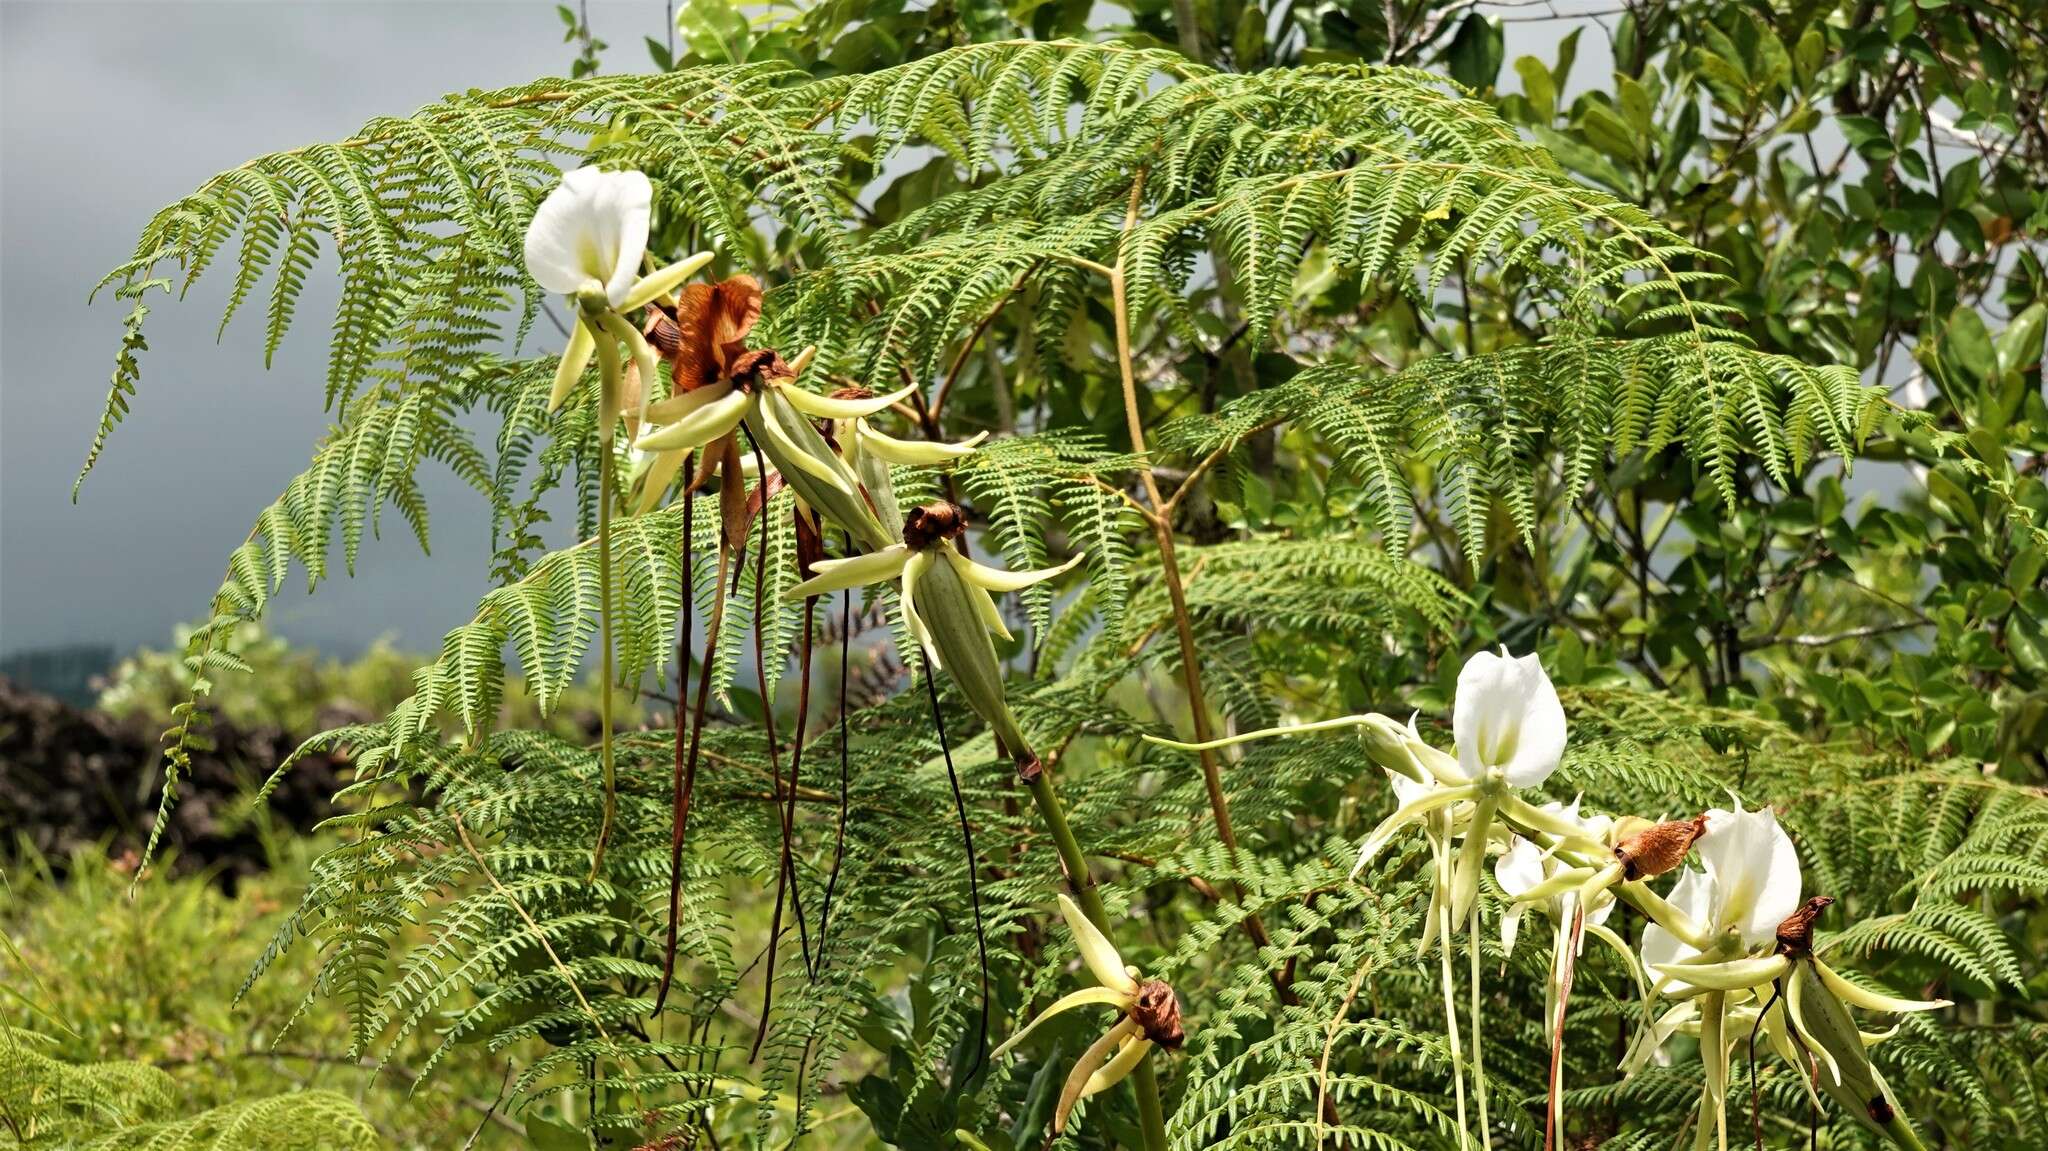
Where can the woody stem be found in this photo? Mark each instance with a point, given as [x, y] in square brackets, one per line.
[1161, 518]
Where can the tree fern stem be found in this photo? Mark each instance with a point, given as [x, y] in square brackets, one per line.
[1160, 515]
[605, 482]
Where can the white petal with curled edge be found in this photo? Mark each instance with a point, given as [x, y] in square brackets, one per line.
[826, 408]
[591, 229]
[852, 572]
[1507, 716]
[992, 579]
[1755, 871]
[1096, 950]
[1518, 870]
[1689, 895]
[663, 281]
[575, 358]
[913, 453]
[1105, 996]
[1134, 1049]
[707, 423]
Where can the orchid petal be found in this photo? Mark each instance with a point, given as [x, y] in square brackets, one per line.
[702, 426]
[852, 572]
[915, 453]
[636, 346]
[1661, 945]
[1269, 732]
[786, 446]
[1085, 1068]
[1113, 1072]
[660, 472]
[827, 408]
[913, 570]
[591, 229]
[1755, 871]
[661, 282]
[1103, 996]
[1407, 813]
[1856, 996]
[678, 406]
[1520, 868]
[1096, 950]
[1507, 717]
[1732, 975]
[982, 576]
[575, 358]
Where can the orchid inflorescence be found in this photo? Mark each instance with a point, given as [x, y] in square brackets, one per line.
[1729, 947]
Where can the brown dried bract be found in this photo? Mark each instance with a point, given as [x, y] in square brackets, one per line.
[1795, 933]
[1157, 1014]
[933, 522]
[711, 323]
[1658, 848]
[751, 367]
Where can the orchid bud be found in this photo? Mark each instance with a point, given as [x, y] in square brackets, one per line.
[1846, 1072]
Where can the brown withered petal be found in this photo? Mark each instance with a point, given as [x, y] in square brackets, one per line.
[1795, 933]
[753, 367]
[853, 392]
[712, 321]
[663, 334]
[927, 525]
[810, 546]
[1658, 848]
[1157, 1013]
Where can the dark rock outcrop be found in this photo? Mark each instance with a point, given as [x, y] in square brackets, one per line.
[73, 779]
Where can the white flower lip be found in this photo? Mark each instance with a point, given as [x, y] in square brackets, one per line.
[1755, 873]
[592, 229]
[1507, 717]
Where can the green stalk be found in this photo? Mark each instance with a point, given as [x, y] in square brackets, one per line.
[1478, 1058]
[608, 361]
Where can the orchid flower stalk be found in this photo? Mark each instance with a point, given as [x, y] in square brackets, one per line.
[586, 241]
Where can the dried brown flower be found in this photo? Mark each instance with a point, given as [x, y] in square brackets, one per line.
[1157, 1013]
[1658, 848]
[932, 523]
[1795, 933]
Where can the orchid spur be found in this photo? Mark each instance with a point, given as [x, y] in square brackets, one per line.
[1150, 1017]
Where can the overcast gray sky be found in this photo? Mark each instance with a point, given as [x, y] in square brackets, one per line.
[109, 111]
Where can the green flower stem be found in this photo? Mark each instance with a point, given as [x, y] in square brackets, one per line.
[1478, 1057]
[608, 361]
[1151, 1118]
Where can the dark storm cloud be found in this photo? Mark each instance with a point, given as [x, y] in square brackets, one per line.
[109, 111]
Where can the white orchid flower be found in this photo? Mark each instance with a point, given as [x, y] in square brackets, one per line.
[1750, 885]
[1149, 1010]
[587, 240]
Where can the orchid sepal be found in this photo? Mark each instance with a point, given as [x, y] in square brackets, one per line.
[656, 284]
[1085, 997]
[1868, 1000]
[1726, 975]
[575, 358]
[916, 453]
[827, 408]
